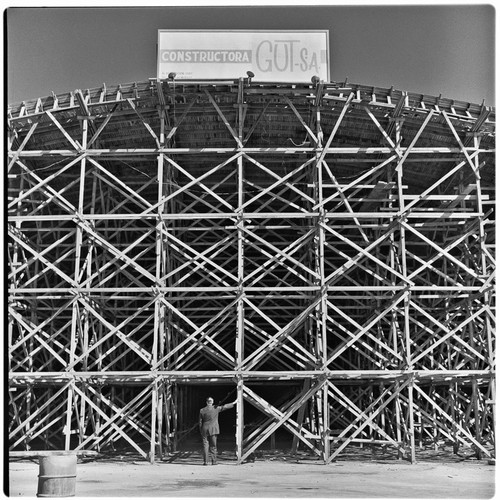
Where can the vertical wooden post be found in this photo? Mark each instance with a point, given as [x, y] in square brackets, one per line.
[163, 316]
[240, 324]
[16, 258]
[323, 333]
[158, 324]
[406, 314]
[486, 294]
[453, 402]
[322, 340]
[397, 409]
[76, 306]
[154, 415]
[398, 125]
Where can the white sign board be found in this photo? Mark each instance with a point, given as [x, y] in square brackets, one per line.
[273, 56]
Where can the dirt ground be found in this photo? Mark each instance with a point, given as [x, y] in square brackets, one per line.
[183, 475]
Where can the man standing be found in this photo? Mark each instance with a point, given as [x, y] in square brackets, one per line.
[209, 429]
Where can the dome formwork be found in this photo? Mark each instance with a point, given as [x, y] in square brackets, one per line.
[322, 253]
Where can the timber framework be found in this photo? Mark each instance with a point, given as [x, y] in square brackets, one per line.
[322, 252]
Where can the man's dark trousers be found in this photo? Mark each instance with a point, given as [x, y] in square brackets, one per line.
[210, 448]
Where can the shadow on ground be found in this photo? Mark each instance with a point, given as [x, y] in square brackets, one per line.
[192, 455]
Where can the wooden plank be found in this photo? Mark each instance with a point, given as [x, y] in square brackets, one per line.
[43, 182]
[144, 122]
[339, 397]
[224, 119]
[76, 145]
[357, 181]
[280, 180]
[454, 423]
[441, 251]
[193, 182]
[36, 415]
[311, 134]
[48, 453]
[282, 418]
[15, 156]
[117, 153]
[110, 420]
[367, 254]
[365, 419]
[203, 332]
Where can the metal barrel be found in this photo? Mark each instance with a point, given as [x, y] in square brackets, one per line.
[57, 475]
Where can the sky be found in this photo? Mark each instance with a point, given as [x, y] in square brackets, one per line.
[433, 49]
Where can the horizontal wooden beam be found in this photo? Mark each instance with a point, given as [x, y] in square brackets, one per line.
[231, 376]
[251, 289]
[120, 152]
[439, 214]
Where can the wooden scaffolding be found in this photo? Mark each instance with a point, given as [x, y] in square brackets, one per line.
[323, 251]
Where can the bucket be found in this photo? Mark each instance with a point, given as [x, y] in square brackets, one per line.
[57, 475]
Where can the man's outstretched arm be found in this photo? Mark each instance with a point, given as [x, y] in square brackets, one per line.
[229, 405]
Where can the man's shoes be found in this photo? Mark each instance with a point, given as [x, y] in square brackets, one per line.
[205, 463]
[214, 462]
